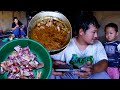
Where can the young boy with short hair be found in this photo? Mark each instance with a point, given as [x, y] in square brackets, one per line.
[112, 47]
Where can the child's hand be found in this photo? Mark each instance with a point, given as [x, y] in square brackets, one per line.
[17, 26]
[118, 47]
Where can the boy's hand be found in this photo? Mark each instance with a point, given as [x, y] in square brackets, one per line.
[55, 64]
[57, 73]
[87, 71]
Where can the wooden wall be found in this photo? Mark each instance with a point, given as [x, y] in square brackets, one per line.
[105, 17]
[6, 18]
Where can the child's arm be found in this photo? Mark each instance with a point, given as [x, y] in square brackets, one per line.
[118, 47]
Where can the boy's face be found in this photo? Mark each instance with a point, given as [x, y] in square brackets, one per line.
[110, 34]
[90, 35]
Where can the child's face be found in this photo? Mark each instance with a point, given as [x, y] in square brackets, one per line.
[110, 34]
[16, 21]
[90, 35]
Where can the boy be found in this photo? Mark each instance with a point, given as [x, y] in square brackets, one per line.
[112, 47]
[82, 47]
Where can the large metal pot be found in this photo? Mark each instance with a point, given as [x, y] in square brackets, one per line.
[55, 14]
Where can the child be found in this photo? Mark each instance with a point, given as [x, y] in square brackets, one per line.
[112, 47]
[17, 28]
[82, 48]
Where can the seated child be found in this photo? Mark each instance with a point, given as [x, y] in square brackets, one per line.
[112, 47]
[18, 28]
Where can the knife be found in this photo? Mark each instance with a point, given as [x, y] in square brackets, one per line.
[69, 70]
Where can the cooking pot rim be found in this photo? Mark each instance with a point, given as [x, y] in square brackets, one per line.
[50, 14]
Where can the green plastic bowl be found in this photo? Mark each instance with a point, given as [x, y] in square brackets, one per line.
[36, 48]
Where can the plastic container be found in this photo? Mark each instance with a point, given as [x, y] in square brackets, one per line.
[4, 39]
[36, 48]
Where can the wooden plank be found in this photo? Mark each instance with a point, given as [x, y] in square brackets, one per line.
[7, 19]
[0, 20]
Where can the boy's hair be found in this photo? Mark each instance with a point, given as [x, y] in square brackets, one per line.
[113, 25]
[14, 18]
[83, 21]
